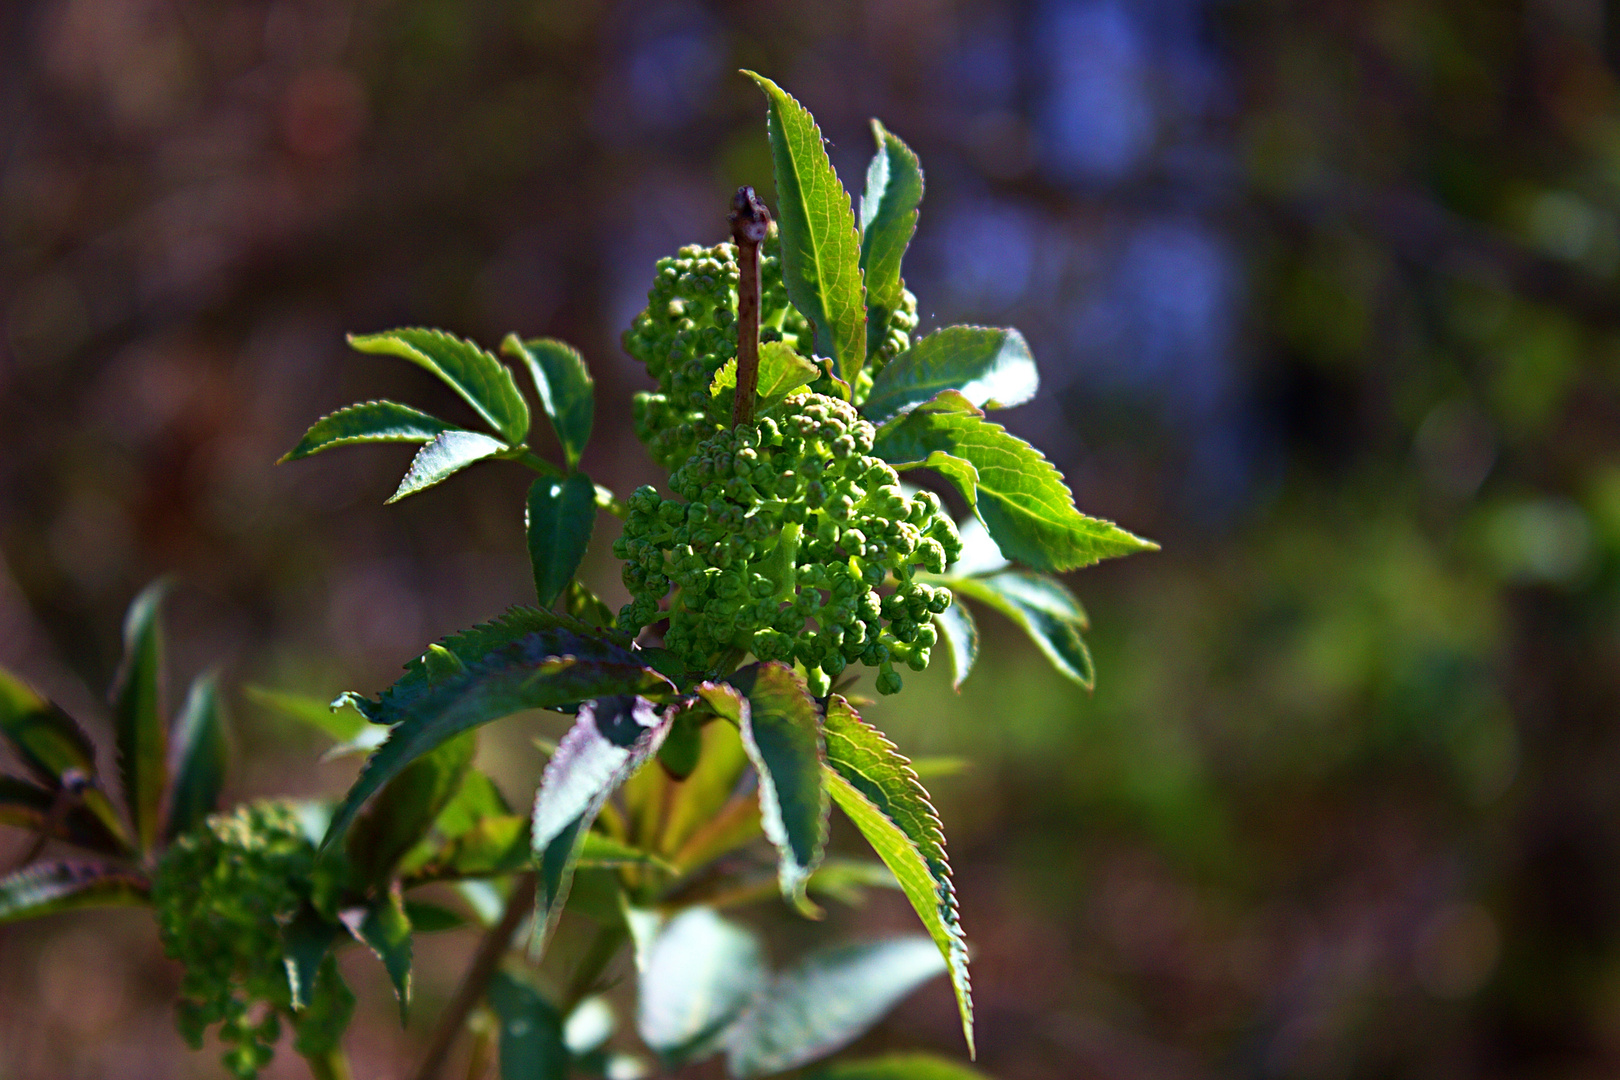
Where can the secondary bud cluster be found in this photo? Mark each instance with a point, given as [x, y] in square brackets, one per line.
[780, 538]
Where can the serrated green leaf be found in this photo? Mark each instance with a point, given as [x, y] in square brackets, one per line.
[531, 1041]
[876, 788]
[385, 929]
[406, 808]
[781, 731]
[567, 391]
[343, 724]
[700, 973]
[306, 942]
[482, 381]
[550, 665]
[825, 1002]
[448, 453]
[48, 887]
[559, 518]
[57, 814]
[1044, 608]
[1021, 497]
[367, 422]
[782, 371]
[612, 737]
[141, 732]
[200, 758]
[897, 1067]
[991, 368]
[318, 1029]
[961, 636]
[821, 251]
[894, 190]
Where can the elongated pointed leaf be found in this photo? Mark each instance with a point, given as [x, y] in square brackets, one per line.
[612, 738]
[1021, 497]
[199, 759]
[559, 519]
[406, 807]
[385, 929]
[59, 814]
[318, 1029]
[697, 799]
[343, 724]
[531, 1041]
[821, 252]
[546, 667]
[305, 944]
[1044, 608]
[825, 1002]
[567, 391]
[875, 786]
[991, 368]
[448, 453]
[961, 636]
[55, 749]
[141, 731]
[897, 1067]
[482, 381]
[699, 974]
[781, 730]
[49, 887]
[367, 422]
[894, 189]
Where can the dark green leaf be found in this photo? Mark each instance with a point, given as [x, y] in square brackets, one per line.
[897, 1067]
[566, 389]
[699, 974]
[200, 757]
[53, 747]
[48, 887]
[306, 942]
[531, 1032]
[59, 814]
[142, 733]
[1047, 611]
[961, 636]
[781, 730]
[821, 252]
[825, 1002]
[993, 369]
[876, 787]
[367, 422]
[612, 737]
[894, 190]
[559, 519]
[527, 660]
[385, 929]
[406, 807]
[496, 845]
[343, 724]
[682, 749]
[320, 1026]
[1021, 498]
[482, 381]
[429, 918]
[707, 788]
[448, 453]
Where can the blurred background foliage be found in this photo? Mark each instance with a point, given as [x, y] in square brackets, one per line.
[1325, 299]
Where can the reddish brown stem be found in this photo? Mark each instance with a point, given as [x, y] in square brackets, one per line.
[750, 222]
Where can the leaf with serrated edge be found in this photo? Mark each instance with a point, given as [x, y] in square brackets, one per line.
[406, 807]
[897, 1067]
[558, 520]
[552, 664]
[894, 189]
[612, 737]
[1021, 498]
[47, 887]
[305, 943]
[482, 381]
[141, 733]
[698, 975]
[567, 391]
[1044, 608]
[992, 368]
[367, 422]
[825, 1002]
[199, 758]
[781, 730]
[385, 929]
[446, 455]
[531, 1040]
[961, 636]
[876, 788]
[821, 251]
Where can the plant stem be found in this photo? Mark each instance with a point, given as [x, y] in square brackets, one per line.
[750, 222]
[332, 1065]
[484, 963]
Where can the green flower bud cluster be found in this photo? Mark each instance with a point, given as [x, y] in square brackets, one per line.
[689, 330]
[779, 539]
[222, 894]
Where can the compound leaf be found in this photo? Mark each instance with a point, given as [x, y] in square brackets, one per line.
[894, 190]
[199, 757]
[482, 381]
[567, 391]
[821, 252]
[531, 1041]
[1045, 609]
[48, 887]
[991, 368]
[141, 733]
[367, 422]
[448, 453]
[559, 518]
[699, 974]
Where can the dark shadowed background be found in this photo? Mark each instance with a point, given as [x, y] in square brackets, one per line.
[1324, 296]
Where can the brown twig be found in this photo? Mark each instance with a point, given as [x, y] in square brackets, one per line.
[487, 959]
[750, 222]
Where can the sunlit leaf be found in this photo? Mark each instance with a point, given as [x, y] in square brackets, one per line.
[406, 808]
[199, 758]
[482, 381]
[566, 389]
[448, 453]
[781, 730]
[1046, 611]
[141, 731]
[367, 422]
[991, 368]
[47, 887]
[559, 517]
[894, 189]
[700, 973]
[385, 929]
[342, 724]
[961, 636]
